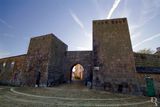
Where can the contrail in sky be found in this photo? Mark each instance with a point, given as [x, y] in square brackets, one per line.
[76, 19]
[5, 23]
[146, 40]
[115, 5]
[79, 22]
[81, 25]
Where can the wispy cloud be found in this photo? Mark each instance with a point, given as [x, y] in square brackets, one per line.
[148, 12]
[136, 35]
[98, 9]
[76, 19]
[8, 35]
[114, 6]
[146, 40]
[5, 23]
[80, 23]
[82, 27]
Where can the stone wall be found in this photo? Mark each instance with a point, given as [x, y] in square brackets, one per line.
[147, 60]
[46, 56]
[114, 66]
[79, 57]
[11, 70]
[44, 62]
[38, 59]
[57, 61]
[142, 82]
[148, 65]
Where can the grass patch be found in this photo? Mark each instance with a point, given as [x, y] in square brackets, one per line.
[10, 99]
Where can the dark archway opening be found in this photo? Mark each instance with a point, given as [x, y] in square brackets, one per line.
[120, 88]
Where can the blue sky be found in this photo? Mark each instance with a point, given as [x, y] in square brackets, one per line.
[71, 21]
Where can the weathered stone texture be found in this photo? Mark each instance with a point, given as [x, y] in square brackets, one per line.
[38, 59]
[79, 57]
[113, 54]
[57, 61]
[142, 82]
[46, 54]
[11, 70]
[44, 60]
[147, 62]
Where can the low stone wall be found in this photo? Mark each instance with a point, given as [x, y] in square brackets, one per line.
[11, 70]
[148, 65]
[147, 60]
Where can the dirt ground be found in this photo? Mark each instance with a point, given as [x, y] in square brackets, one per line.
[68, 95]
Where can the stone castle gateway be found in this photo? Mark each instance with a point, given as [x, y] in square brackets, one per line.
[111, 66]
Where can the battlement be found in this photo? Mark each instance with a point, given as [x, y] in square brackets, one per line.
[111, 21]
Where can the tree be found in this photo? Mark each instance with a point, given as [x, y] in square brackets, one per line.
[146, 51]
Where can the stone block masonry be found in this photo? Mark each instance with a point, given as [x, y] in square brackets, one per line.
[112, 53]
[11, 70]
[148, 65]
[79, 57]
[46, 54]
[57, 61]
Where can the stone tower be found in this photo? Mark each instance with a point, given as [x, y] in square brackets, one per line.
[114, 66]
[45, 58]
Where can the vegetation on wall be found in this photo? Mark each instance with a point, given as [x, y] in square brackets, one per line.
[146, 51]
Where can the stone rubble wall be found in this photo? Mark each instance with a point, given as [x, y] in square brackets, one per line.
[83, 58]
[57, 61]
[148, 61]
[11, 70]
[113, 56]
[37, 60]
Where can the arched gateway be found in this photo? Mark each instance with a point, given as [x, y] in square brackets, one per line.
[84, 58]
